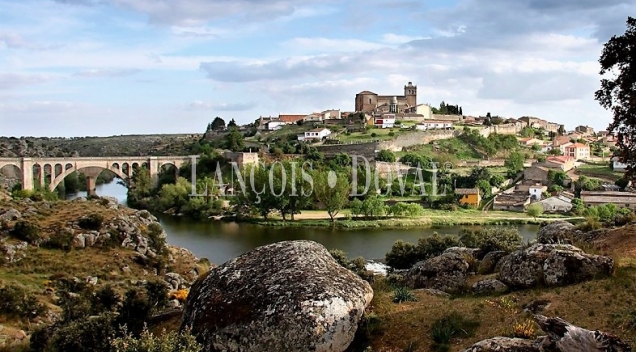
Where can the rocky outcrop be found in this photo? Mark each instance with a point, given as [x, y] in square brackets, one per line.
[552, 265]
[489, 286]
[472, 254]
[489, 263]
[505, 344]
[287, 296]
[10, 215]
[561, 232]
[447, 272]
[561, 337]
[12, 253]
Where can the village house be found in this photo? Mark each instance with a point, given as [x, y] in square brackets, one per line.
[434, 125]
[558, 141]
[241, 158]
[578, 151]
[536, 173]
[384, 121]
[535, 191]
[290, 119]
[620, 199]
[470, 196]
[423, 110]
[274, 125]
[314, 134]
[511, 201]
[565, 163]
[556, 204]
[584, 130]
[529, 141]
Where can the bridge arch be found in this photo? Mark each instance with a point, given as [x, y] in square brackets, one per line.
[60, 178]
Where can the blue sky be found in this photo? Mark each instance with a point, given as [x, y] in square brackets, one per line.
[109, 67]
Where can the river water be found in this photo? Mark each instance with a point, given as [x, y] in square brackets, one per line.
[220, 241]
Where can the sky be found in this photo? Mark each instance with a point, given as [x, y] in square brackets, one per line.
[111, 67]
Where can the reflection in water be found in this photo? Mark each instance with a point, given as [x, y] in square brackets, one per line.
[220, 241]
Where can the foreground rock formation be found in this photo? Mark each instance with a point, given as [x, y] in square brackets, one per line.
[447, 272]
[552, 265]
[288, 296]
[561, 337]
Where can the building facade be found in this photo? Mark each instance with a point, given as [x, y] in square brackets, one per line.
[367, 101]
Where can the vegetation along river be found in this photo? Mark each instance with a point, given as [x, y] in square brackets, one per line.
[220, 241]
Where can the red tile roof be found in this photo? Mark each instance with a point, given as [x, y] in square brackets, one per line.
[291, 118]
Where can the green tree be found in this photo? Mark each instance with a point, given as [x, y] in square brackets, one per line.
[232, 124]
[535, 210]
[234, 140]
[385, 155]
[332, 191]
[514, 163]
[140, 186]
[218, 124]
[617, 93]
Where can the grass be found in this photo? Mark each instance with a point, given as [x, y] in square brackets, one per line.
[595, 170]
[447, 149]
[366, 136]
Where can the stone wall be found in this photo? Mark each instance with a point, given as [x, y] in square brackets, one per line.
[365, 149]
[508, 128]
[417, 137]
[452, 118]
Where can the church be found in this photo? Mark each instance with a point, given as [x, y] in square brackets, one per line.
[367, 101]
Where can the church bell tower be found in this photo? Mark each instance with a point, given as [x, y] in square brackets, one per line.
[410, 92]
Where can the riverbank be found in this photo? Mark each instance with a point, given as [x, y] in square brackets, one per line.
[431, 217]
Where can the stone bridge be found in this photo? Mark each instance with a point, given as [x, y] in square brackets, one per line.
[52, 171]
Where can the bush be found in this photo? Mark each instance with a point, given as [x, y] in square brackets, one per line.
[340, 256]
[17, 303]
[91, 222]
[60, 240]
[402, 255]
[157, 239]
[449, 327]
[385, 155]
[147, 342]
[373, 134]
[391, 134]
[85, 335]
[492, 239]
[26, 231]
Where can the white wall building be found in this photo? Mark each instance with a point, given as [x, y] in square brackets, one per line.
[617, 165]
[315, 134]
[434, 125]
[275, 125]
[384, 121]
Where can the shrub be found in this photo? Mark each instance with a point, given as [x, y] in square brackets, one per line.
[449, 327]
[156, 236]
[157, 294]
[373, 134]
[524, 329]
[385, 155]
[402, 255]
[85, 335]
[61, 240]
[391, 134]
[403, 294]
[26, 231]
[105, 299]
[340, 256]
[91, 222]
[17, 303]
[134, 312]
[147, 342]
[492, 239]
[435, 245]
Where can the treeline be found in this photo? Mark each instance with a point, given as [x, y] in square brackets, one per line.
[448, 109]
[490, 145]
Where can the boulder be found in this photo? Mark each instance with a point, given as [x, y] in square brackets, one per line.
[552, 265]
[488, 264]
[489, 286]
[447, 272]
[12, 253]
[569, 338]
[79, 241]
[556, 232]
[10, 215]
[469, 253]
[286, 296]
[505, 344]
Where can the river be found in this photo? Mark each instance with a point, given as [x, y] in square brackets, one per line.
[220, 241]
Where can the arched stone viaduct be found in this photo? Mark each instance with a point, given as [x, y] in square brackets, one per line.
[56, 169]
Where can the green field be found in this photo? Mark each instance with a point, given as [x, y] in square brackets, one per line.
[452, 149]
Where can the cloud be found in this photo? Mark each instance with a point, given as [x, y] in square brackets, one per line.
[201, 105]
[328, 45]
[16, 80]
[37, 107]
[80, 2]
[16, 41]
[107, 72]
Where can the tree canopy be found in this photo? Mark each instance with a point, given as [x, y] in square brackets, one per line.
[617, 93]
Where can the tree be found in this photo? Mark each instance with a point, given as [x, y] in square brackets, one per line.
[535, 210]
[385, 155]
[514, 163]
[332, 190]
[617, 93]
[218, 124]
[231, 124]
[234, 141]
[140, 186]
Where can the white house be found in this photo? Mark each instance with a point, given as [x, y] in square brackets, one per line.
[274, 125]
[315, 134]
[384, 121]
[617, 165]
[536, 191]
[434, 125]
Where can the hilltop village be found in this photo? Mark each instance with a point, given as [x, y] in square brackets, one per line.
[496, 163]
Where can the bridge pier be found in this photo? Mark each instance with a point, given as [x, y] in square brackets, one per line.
[153, 169]
[27, 174]
[91, 186]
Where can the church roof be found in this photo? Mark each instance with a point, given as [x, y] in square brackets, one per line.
[366, 92]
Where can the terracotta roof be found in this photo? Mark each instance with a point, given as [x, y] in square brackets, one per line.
[559, 159]
[511, 199]
[465, 191]
[291, 118]
[579, 145]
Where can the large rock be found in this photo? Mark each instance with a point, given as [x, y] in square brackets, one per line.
[12, 253]
[569, 338]
[552, 265]
[556, 232]
[561, 337]
[488, 264]
[10, 215]
[447, 272]
[287, 296]
[489, 286]
[505, 344]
